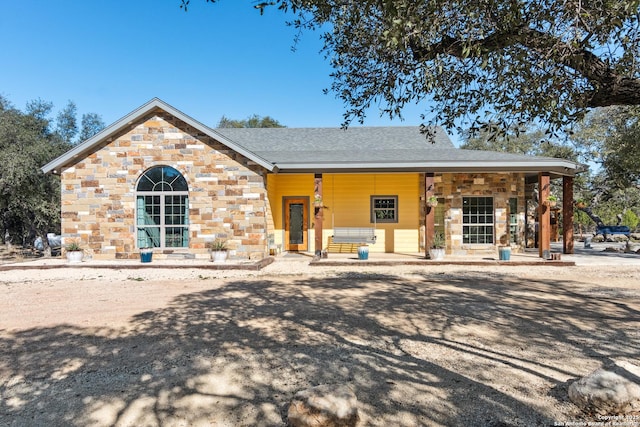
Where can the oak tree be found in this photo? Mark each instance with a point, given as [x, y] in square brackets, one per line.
[477, 61]
[29, 200]
[254, 121]
[91, 124]
[611, 136]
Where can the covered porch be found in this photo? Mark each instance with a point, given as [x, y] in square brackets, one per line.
[502, 229]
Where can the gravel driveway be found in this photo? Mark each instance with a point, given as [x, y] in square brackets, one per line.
[420, 346]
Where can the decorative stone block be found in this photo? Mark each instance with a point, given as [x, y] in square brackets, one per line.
[612, 390]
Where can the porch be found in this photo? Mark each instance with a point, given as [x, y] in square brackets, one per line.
[526, 257]
[473, 212]
[593, 256]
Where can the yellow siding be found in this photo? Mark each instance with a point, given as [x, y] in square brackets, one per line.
[279, 186]
[347, 202]
[407, 241]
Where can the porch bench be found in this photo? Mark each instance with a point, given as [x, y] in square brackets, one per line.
[354, 235]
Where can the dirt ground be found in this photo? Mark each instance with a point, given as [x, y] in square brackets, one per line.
[420, 346]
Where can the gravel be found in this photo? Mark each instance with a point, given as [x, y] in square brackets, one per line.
[420, 346]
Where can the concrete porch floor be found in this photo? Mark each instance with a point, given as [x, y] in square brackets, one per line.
[419, 259]
[523, 258]
[595, 255]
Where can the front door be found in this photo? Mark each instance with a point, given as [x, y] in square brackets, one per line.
[296, 223]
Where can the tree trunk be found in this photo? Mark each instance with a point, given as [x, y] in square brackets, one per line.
[595, 218]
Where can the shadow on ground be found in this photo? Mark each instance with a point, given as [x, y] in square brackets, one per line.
[472, 349]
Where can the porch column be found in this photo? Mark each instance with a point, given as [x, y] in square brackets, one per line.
[544, 215]
[430, 213]
[567, 214]
[317, 210]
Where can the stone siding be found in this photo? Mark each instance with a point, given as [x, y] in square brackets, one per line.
[227, 197]
[501, 186]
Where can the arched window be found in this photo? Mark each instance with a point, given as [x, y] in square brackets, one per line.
[162, 209]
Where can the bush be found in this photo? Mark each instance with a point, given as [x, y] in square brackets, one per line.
[630, 219]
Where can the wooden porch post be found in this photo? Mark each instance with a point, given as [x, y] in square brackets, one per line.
[430, 213]
[317, 217]
[567, 214]
[544, 215]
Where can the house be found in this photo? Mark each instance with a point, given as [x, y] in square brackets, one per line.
[159, 178]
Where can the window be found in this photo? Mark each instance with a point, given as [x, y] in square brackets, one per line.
[477, 220]
[162, 209]
[384, 209]
[513, 219]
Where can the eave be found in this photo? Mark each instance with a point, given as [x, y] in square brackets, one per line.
[556, 167]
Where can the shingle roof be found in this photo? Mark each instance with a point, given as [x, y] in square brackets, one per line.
[361, 139]
[357, 149]
[377, 148]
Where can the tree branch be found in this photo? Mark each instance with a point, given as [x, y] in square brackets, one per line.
[609, 87]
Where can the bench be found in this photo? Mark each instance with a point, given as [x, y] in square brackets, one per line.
[354, 235]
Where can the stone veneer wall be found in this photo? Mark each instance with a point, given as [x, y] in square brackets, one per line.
[227, 196]
[501, 186]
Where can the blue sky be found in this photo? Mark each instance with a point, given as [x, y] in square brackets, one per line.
[111, 56]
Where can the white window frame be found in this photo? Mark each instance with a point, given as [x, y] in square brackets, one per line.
[163, 191]
[478, 225]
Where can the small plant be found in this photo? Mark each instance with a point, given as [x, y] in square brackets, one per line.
[73, 246]
[74, 252]
[438, 241]
[218, 250]
[551, 200]
[218, 245]
[432, 201]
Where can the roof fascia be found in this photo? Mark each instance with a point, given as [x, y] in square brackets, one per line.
[87, 146]
[558, 166]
